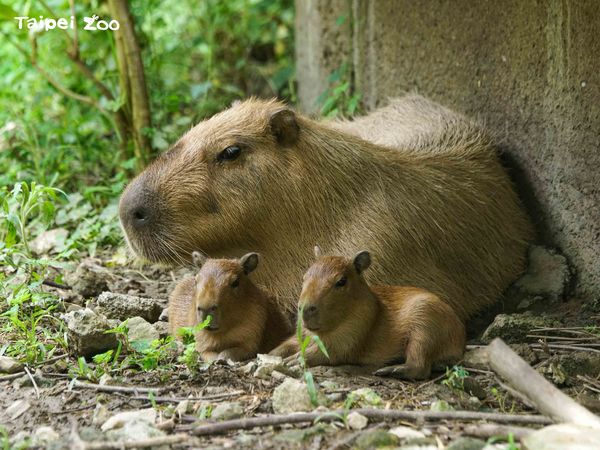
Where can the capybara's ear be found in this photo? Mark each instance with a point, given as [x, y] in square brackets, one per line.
[284, 126]
[362, 261]
[249, 262]
[317, 251]
[198, 259]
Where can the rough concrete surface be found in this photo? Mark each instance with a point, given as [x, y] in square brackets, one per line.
[529, 71]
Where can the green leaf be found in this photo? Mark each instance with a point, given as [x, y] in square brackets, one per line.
[312, 389]
[321, 345]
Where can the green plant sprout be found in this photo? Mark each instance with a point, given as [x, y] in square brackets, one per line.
[455, 378]
[304, 342]
[190, 356]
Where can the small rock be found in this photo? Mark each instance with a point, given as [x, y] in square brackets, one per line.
[477, 358]
[10, 365]
[563, 436]
[182, 408]
[120, 419]
[162, 328]
[164, 315]
[122, 306]
[267, 364]
[87, 335]
[227, 410]
[100, 415]
[441, 405]
[89, 278]
[335, 397]
[356, 421]
[299, 435]
[292, 396]
[402, 432]
[135, 430]
[375, 438]
[17, 408]
[50, 241]
[140, 330]
[466, 443]
[547, 274]
[514, 327]
[263, 359]
[365, 398]
[105, 379]
[44, 435]
[20, 440]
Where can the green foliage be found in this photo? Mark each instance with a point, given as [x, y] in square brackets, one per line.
[190, 356]
[455, 378]
[199, 56]
[304, 342]
[509, 439]
[339, 99]
[501, 399]
[29, 328]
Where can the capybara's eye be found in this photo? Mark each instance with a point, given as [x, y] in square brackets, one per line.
[235, 283]
[341, 282]
[229, 154]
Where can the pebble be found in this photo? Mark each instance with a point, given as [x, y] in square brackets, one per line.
[10, 365]
[356, 421]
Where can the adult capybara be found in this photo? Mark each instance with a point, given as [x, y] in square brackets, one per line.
[373, 325]
[244, 319]
[418, 184]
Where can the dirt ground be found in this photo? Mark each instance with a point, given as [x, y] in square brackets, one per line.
[73, 411]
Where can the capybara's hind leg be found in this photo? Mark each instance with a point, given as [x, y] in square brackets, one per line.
[417, 365]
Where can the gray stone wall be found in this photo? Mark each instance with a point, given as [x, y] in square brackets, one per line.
[529, 70]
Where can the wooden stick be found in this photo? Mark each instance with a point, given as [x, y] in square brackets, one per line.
[378, 414]
[107, 388]
[192, 399]
[12, 376]
[35, 386]
[544, 395]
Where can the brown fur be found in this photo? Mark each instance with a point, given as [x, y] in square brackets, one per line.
[374, 325]
[246, 320]
[412, 178]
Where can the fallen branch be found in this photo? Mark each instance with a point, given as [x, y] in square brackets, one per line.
[56, 285]
[487, 430]
[12, 376]
[107, 388]
[192, 399]
[375, 414]
[544, 395]
[35, 386]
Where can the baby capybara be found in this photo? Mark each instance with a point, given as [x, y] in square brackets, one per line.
[373, 325]
[244, 319]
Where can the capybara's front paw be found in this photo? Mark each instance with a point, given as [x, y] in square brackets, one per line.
[288, 348]
[404, 372]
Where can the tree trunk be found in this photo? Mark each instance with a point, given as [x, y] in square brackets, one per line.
[134, 84]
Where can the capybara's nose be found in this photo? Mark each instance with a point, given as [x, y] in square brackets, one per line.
[309, 312]
[140, 216]
[138, 206]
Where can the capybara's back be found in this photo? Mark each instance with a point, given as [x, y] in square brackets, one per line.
[412, 178]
